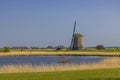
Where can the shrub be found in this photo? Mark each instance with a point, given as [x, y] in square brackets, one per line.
[6, 49]
[1, 49]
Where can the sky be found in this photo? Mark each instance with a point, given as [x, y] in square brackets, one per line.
[45, 23]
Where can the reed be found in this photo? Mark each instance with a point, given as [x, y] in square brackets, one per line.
[40, 53]
[105, 64]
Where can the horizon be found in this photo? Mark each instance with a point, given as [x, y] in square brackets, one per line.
[45, 23]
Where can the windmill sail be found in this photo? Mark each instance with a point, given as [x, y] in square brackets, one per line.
[72, 41]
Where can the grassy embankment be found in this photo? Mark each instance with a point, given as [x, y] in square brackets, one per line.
[87, 52]
[100, 74]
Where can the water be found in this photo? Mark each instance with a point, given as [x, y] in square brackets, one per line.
[40, 60]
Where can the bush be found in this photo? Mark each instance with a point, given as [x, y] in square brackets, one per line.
[6, 49]
[1, 49]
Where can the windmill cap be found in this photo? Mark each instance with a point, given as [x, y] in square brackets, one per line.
[78, 35]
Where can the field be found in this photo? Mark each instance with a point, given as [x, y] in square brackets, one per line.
[100, 74]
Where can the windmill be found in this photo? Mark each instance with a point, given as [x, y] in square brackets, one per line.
[76, 42]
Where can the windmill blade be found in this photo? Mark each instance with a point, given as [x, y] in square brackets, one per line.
[73, 35]
[74, 29]
[72, 43]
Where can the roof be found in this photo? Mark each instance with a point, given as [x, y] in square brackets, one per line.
[78, 35]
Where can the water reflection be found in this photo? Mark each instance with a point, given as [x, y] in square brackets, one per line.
[40, 60]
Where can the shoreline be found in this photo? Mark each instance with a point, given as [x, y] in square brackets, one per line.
[36, 53]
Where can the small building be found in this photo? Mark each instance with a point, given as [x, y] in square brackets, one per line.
[100, 47]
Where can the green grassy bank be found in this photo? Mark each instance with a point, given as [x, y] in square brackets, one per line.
[83, 52]
[101, 74]
[67, 50]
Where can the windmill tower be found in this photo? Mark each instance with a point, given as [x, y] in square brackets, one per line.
[76, 42]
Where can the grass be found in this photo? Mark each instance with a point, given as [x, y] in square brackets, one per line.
[99, 74]
[87, 52]
[57, 53]
[82, 50]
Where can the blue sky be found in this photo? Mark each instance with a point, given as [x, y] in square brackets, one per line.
[50, 22]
